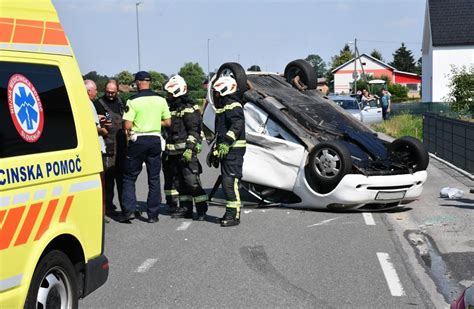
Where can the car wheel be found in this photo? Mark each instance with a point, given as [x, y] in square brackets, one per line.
[236, 71]
[409, 151]
[328, 163]
[304, 70]
[54, 283]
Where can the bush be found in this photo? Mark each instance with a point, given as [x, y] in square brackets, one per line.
[398, 91]
[402, 125]
[461, 94]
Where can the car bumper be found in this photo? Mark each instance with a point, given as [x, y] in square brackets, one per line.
[354, 191]
[97, 271]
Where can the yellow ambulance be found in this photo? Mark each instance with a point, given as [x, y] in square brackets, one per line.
[51, 210]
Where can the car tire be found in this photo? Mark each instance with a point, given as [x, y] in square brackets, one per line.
[328, 163]
[409, 151]
[305, 70]
[54, 283]
[236, 71]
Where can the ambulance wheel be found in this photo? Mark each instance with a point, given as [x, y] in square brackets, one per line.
[54, 283]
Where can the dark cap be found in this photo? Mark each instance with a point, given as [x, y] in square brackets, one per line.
[143, 75]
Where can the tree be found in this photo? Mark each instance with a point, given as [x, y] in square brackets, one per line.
[100, 80]
[194, 76]
[344, 56]
[419, 65]
[124, 78]
[377, 54]
[403, 60]
[461, 92]
[254, 68]
[157, 80]
[318, 64]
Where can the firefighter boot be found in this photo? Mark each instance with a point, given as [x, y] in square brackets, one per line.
[231, 218]
[184, 211]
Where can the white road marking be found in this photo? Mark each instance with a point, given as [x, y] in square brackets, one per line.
[369, 219]
[146, 265]
[324, 222]
[247, 211]
[391, 276]
[184, 226]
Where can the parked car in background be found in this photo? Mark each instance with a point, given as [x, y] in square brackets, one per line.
[368, 114]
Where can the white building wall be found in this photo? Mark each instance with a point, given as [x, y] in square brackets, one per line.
[443, 59]
[427, 76]
[342, 82]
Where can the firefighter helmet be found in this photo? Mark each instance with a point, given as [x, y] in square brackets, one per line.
[176, 86]
[225, 85]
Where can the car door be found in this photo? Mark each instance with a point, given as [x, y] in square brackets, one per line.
[273, 156]
[371, 113]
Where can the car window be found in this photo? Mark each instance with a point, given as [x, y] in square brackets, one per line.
[347, 104]
[35, 111]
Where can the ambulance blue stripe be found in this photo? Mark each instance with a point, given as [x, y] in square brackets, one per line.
[84, 186]
[39, 195]
[11, 282]
[21, 198]
[57, 191]
[4, 201]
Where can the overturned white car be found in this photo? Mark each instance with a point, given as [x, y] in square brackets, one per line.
[305, 151]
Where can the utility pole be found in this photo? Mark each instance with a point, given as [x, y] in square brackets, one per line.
[355, 74]
[138, 35]
[208, 66]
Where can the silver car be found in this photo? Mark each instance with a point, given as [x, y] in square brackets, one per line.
[368, 114]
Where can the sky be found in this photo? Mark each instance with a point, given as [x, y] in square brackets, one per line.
[269, 33]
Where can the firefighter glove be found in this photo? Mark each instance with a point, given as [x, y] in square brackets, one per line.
[187, 155]
[222, 150]
[198, 147]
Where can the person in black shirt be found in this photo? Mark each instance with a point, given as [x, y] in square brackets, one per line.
[111, 107]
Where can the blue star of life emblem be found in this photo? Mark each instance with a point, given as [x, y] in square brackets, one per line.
[26, 103]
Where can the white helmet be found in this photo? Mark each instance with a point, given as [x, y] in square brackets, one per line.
[225, 85]
[176, 86]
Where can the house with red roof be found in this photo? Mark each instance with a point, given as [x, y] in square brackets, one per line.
[366, 64]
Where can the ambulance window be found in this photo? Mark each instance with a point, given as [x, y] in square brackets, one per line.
[35, 112]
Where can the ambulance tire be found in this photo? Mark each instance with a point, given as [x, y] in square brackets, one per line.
[54, 283]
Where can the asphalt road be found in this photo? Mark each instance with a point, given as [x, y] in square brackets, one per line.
[276, 257]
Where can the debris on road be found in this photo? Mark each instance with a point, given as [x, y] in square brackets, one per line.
[451, 193]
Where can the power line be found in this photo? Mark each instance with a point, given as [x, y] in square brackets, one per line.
[388, 42]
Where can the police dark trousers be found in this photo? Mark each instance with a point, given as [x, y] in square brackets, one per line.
[116, 144]
[145, 149]
[184, 134]
[230, 129]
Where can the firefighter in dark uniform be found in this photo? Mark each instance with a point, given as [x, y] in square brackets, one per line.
[230, 145]
[182, 145]
[169, 172]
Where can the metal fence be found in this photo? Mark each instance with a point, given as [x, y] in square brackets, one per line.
[450, 139]
[419, 108]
